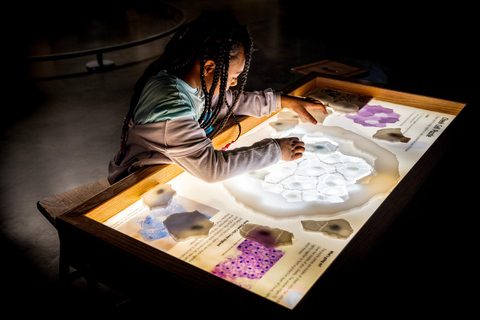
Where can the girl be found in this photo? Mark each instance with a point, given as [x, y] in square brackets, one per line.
[183, 99]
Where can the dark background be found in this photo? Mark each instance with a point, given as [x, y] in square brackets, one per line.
[61, 127]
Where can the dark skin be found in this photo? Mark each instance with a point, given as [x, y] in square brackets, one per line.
[292, 148]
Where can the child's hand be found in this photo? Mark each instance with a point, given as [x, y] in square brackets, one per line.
[292, 148]
[300, 105]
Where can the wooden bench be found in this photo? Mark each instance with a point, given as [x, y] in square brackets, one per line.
[56, 205]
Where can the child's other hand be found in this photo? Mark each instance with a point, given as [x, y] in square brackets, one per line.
[292, 148]
[300, 105]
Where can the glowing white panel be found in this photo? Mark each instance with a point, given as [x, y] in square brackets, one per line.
[339, 171]
[322, 175]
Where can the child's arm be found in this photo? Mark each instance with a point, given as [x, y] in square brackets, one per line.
[189, 148]
[263, 103]
[256, 103]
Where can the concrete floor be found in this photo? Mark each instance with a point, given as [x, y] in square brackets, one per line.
[63, 125]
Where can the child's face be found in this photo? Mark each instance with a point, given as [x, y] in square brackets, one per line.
[236, 68]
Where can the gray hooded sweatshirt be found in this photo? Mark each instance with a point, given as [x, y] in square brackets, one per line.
[165, 130]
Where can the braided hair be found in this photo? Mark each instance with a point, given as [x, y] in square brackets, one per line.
[213, 36]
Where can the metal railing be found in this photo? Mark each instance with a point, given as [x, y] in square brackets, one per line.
[100, 64]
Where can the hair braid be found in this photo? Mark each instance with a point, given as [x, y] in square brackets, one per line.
[221, 73]
[248, 48]
[208, 103]
[213, 35]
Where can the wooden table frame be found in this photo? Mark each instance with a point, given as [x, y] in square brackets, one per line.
[115, 258]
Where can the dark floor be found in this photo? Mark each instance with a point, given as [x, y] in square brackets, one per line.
[62, 128]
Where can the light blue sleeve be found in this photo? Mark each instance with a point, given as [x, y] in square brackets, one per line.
[162, 100]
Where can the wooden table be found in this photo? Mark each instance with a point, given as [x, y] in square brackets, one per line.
[116, 259]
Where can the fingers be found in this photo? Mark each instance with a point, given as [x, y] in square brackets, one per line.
[306, 115]
[301, 105]
[298, 148]
[314, 103]
[297, 154]
[292, 148]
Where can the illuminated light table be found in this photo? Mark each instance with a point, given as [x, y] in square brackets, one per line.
[136, 267]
